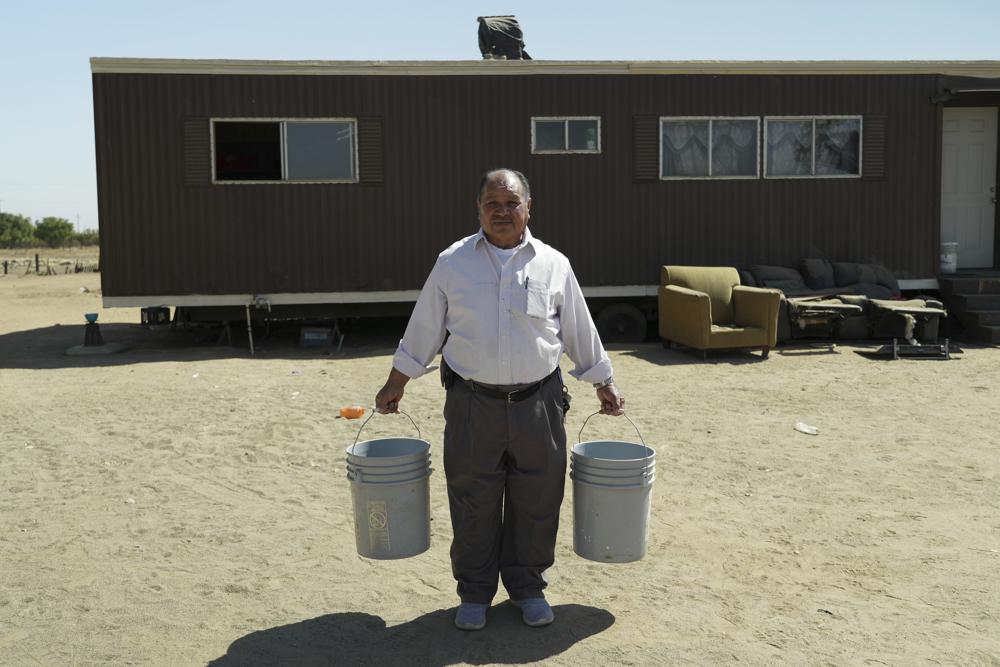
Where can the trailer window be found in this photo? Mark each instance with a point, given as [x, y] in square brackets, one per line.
[709, 148]
[813, 147]
[566, 134]
[247, 151]
[290, 151]
[320, 151]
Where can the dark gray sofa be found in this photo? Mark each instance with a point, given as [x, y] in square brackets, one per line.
[871, 286]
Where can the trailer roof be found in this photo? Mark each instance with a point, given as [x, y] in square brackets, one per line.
[980, 68]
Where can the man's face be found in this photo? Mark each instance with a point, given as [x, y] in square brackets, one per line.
[503, 211]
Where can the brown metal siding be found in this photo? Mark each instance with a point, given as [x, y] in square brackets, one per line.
[163, 232]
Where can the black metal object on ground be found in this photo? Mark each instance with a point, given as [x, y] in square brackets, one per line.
[914, 350]
[92, 335]
[501, 37]
[154, 316]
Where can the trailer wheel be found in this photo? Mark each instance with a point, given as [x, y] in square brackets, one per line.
[621, 323]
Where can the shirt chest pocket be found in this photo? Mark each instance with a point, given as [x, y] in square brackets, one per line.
[538, 302]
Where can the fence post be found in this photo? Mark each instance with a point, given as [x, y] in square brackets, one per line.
[5, 267]
[36, 263]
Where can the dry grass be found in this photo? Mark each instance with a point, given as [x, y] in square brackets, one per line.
[50, 260]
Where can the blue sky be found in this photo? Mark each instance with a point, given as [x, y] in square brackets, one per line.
[46, 115]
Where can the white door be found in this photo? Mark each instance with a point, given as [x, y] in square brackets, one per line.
[968, 183]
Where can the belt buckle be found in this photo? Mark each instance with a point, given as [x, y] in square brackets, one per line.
[510, 396]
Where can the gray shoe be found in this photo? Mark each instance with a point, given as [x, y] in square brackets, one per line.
[535, 612]
[471, 616]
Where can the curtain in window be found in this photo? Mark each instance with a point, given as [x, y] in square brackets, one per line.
[789, 147]
[838, 142]
[734, 148]
[685, 148]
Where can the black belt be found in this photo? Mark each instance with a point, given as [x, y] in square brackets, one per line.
[510, 396]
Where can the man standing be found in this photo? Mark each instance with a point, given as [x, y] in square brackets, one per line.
[509, 305]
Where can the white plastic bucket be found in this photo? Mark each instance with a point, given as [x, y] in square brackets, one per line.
[612, 454]
[612, 488]
[635, 480]
[610, 523]
[609, 476]
[390, 492]
[949, 257]
[595, 467]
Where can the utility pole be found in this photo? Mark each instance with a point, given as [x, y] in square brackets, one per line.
[77, 223]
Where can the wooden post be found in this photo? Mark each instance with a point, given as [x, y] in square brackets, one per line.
[5, 267]
[36, 263]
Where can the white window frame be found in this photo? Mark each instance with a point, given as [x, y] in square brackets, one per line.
[567, 150]
[283, 139]
[710, 177]
[861, 138]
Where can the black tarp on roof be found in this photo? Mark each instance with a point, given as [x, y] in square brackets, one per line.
[501, 36]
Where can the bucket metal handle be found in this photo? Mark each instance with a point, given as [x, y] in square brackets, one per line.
[579, 437]
[372, 414]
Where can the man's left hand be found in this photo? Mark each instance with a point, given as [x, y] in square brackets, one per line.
[612, 402]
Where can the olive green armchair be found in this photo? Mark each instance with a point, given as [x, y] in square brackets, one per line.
[706, 308]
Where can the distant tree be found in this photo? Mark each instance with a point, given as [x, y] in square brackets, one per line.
[54, 231]
[87, 237]
[16, 231]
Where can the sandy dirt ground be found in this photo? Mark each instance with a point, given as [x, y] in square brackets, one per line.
[181, 503]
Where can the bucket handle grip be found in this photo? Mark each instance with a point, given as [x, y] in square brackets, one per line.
[579, 437]
[372, 414]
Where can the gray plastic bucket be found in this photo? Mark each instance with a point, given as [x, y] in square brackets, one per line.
[390, 491]
[387, 451]
[366, 476]
[377, 476]
[612, 488]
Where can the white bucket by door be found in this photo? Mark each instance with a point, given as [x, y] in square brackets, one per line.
[612, 489]
[949, 257]
[390, 492]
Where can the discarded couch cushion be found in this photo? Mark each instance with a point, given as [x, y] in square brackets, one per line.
[818, 273]
[851, 273]
[787, 280]
[885, 278]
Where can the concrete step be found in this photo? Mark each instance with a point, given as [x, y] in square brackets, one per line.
[966, 286]
[984, 317]
[977, 301]
[987, 334]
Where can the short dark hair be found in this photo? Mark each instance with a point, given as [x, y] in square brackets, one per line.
[521, 177]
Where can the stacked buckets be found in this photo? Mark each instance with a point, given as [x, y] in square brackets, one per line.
[390, 491]
[612, 487]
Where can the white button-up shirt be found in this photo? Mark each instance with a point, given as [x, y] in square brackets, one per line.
[507, 324]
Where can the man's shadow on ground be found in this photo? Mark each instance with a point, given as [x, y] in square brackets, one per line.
[354, 638]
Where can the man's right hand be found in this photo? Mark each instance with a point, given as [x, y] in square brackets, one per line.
[388, 398]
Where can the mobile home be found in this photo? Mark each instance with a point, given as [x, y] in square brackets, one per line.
[333, 185]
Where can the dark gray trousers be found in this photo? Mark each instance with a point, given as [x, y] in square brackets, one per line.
[505, 465]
